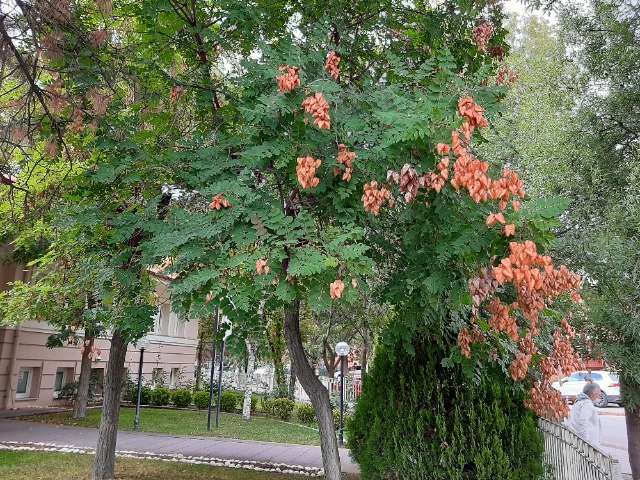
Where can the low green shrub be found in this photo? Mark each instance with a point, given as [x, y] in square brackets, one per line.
[131, 395]
[181, 398]
[346, 417]
[306, 414]
[160, 397]
[283, 408]
[228, 401]
[201, 400]
[267, 405]
[254, 400]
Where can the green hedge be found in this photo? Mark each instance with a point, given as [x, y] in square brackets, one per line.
[305, 413]
[417, 419]
[160, 397]
[228, 401]
[201, 400]
[181, 398]
[283, 408]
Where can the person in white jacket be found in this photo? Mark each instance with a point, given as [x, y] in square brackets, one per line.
[583, 417]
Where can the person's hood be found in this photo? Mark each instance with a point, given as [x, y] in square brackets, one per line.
[582, 396]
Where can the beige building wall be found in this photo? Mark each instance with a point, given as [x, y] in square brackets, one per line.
[31, 374]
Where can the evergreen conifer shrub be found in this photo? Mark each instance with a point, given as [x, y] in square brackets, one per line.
[417, 419]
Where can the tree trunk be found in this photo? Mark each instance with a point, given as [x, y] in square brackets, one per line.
[317, 393]
[365, 348]
[276, 347]
[248, 390]
[104, 464]
[329, 358]
[632, 418]
[82, 395]
[199, 355]
[292, 382]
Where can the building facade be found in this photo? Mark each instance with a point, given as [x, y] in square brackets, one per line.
[32, 375]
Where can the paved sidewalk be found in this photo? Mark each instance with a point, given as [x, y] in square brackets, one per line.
[240, 450]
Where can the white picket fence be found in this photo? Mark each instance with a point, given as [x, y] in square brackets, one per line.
[571, 458]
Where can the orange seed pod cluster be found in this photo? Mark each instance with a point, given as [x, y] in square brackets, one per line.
[175, 93]
[306, 171]
[482, 34]
[373, 197]
[336, 289]
[262, 267]
[219, 202]
[345, 157]
[318, 107]
[333, 60]
[289, 80]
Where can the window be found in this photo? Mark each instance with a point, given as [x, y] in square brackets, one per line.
[23, 390]
[157, 328]
[174, 378]
[60, 380]
[179, 327]
[157, 378]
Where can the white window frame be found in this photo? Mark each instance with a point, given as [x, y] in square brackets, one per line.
[56, 393]
[27, 392]
[174, 375]
[156, 373]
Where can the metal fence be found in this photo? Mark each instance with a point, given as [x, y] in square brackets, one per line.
[265, 383]
[571, 458]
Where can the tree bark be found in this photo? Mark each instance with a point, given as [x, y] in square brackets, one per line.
[104, 464]
[365, 348]
[293, 377]
[316, 390]
[82, 394]
[632, 418]
[199, 355]
[329, 358]
[248, 390]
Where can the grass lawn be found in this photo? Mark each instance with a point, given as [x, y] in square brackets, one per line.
[192, 422]
[57, 466]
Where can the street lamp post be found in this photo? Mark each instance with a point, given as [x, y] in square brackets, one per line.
[213, 367]
[227, 333]
[142, 344]
[342, 349]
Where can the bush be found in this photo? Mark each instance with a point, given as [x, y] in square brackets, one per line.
[418, 419]
[281, 391]
[228, 401]
[283, 408]
[267, 405]
[201, 400]
[346, 417]
[160, 397]
[131, 395]
[254, 400]
[69, 390]
[306, 414]
[181, 398]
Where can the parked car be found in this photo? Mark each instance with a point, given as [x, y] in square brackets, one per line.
[609, 382]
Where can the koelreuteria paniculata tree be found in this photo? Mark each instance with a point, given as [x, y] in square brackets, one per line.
[287, 153]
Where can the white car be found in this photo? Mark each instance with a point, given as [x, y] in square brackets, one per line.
[609, 382]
